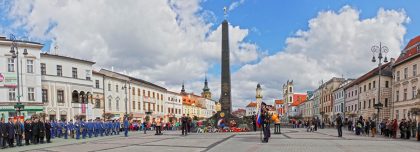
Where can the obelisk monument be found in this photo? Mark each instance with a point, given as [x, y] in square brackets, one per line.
[225, 96]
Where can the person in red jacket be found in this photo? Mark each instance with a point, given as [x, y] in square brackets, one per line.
[394, 128]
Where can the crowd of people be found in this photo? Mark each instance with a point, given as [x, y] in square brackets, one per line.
[40, 131]
[388, 128]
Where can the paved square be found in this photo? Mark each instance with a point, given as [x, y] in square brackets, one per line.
[291, 140]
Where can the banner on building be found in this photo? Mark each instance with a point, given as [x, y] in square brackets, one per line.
[9, 80]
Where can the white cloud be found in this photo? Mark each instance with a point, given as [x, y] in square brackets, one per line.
[164, 41]
[335, 44]
[235, 4]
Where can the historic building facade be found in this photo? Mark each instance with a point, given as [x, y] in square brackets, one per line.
[29, 77]
[406, 98]
[326, 101]
[98, 95]
[174, 105]
[339, 98]
[351, 101]
[66, 86]
[251, 109]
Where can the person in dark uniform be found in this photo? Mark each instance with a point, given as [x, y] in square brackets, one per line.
[339, 122]
[4, 133]
[35, 131]
[19, 132]
[266, 122]
[41, 126]
[254, 122]
[28, 131]
[48, 131]
[126, 124]
[184, 121]
[11, 132]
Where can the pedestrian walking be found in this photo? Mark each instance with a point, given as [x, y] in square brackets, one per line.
[144, 126]
[184, 121]
[339, 122]
[266, 123]
[35, 131]
[126, 125]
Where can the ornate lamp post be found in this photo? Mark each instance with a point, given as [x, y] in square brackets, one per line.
[14, 50]
[381, 52]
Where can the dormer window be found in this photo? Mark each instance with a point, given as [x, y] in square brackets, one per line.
[418, 47]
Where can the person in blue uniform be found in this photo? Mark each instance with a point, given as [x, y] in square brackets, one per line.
[84, 128]
[77, 128]
[65, 129]
[101, 128]
[96, 127]
[126, 126]
[89, 127]
[60, 129]
[117, 126]
[53, 128]
[70, 127]
[106, 128]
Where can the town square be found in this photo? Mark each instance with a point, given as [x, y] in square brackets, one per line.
[209, 75]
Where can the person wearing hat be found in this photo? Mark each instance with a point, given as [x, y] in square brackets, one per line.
[339, 122]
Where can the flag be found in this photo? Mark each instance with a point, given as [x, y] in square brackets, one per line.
[258, 118]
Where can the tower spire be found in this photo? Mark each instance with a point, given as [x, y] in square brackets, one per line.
[183, 88]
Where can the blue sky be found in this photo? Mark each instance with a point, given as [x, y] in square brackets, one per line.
[150, 40]
[276, 20]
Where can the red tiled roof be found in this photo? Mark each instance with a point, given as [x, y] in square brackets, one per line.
[408, 52]
[368, 75]
[252, 104]
[298, 99]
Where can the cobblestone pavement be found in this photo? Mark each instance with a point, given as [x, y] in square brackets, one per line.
[291, 140]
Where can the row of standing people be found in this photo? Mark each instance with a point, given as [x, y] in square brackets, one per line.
[34, 131]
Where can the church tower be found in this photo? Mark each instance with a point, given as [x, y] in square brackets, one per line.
[183, 89]
[206, 90]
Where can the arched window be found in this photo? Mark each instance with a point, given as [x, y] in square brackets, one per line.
[117, 104]
[82, 97]
[75, 96]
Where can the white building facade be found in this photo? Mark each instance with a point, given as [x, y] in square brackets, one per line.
[29, 77]
[66, 87]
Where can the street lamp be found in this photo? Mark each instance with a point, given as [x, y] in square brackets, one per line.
[380, 50]
[14, 50]
[126, 99]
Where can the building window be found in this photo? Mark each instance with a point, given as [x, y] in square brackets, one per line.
[405, 95]
[404, 113]
[405, 73]
[134, 91]
[414, 92]
[386, 84]
[148, 93]
[144, 106]
[138, 91]
[134, 104]
[116, 88]
[369, 104]
[117, 105]
[414, 70]
[59, 70]
[74, 72]
[397, 114]
[397, 96]
[364, 88]
[374, 84]
[30, 66]
[97, 84]
[109, 86]
[144, 93]
[386, 102]
[161, 96]
[370, 86]
[109, 104]
[12, 94]
[44, 95]
[398, 75]
[60, 96]
[31, 94]
[153, 94]
[138, 105]
[97, 103]
[364, 104]
[11, 65]
[87, 74]
[43, 69]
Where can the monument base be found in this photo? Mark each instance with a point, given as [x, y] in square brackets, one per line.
[228, 118]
